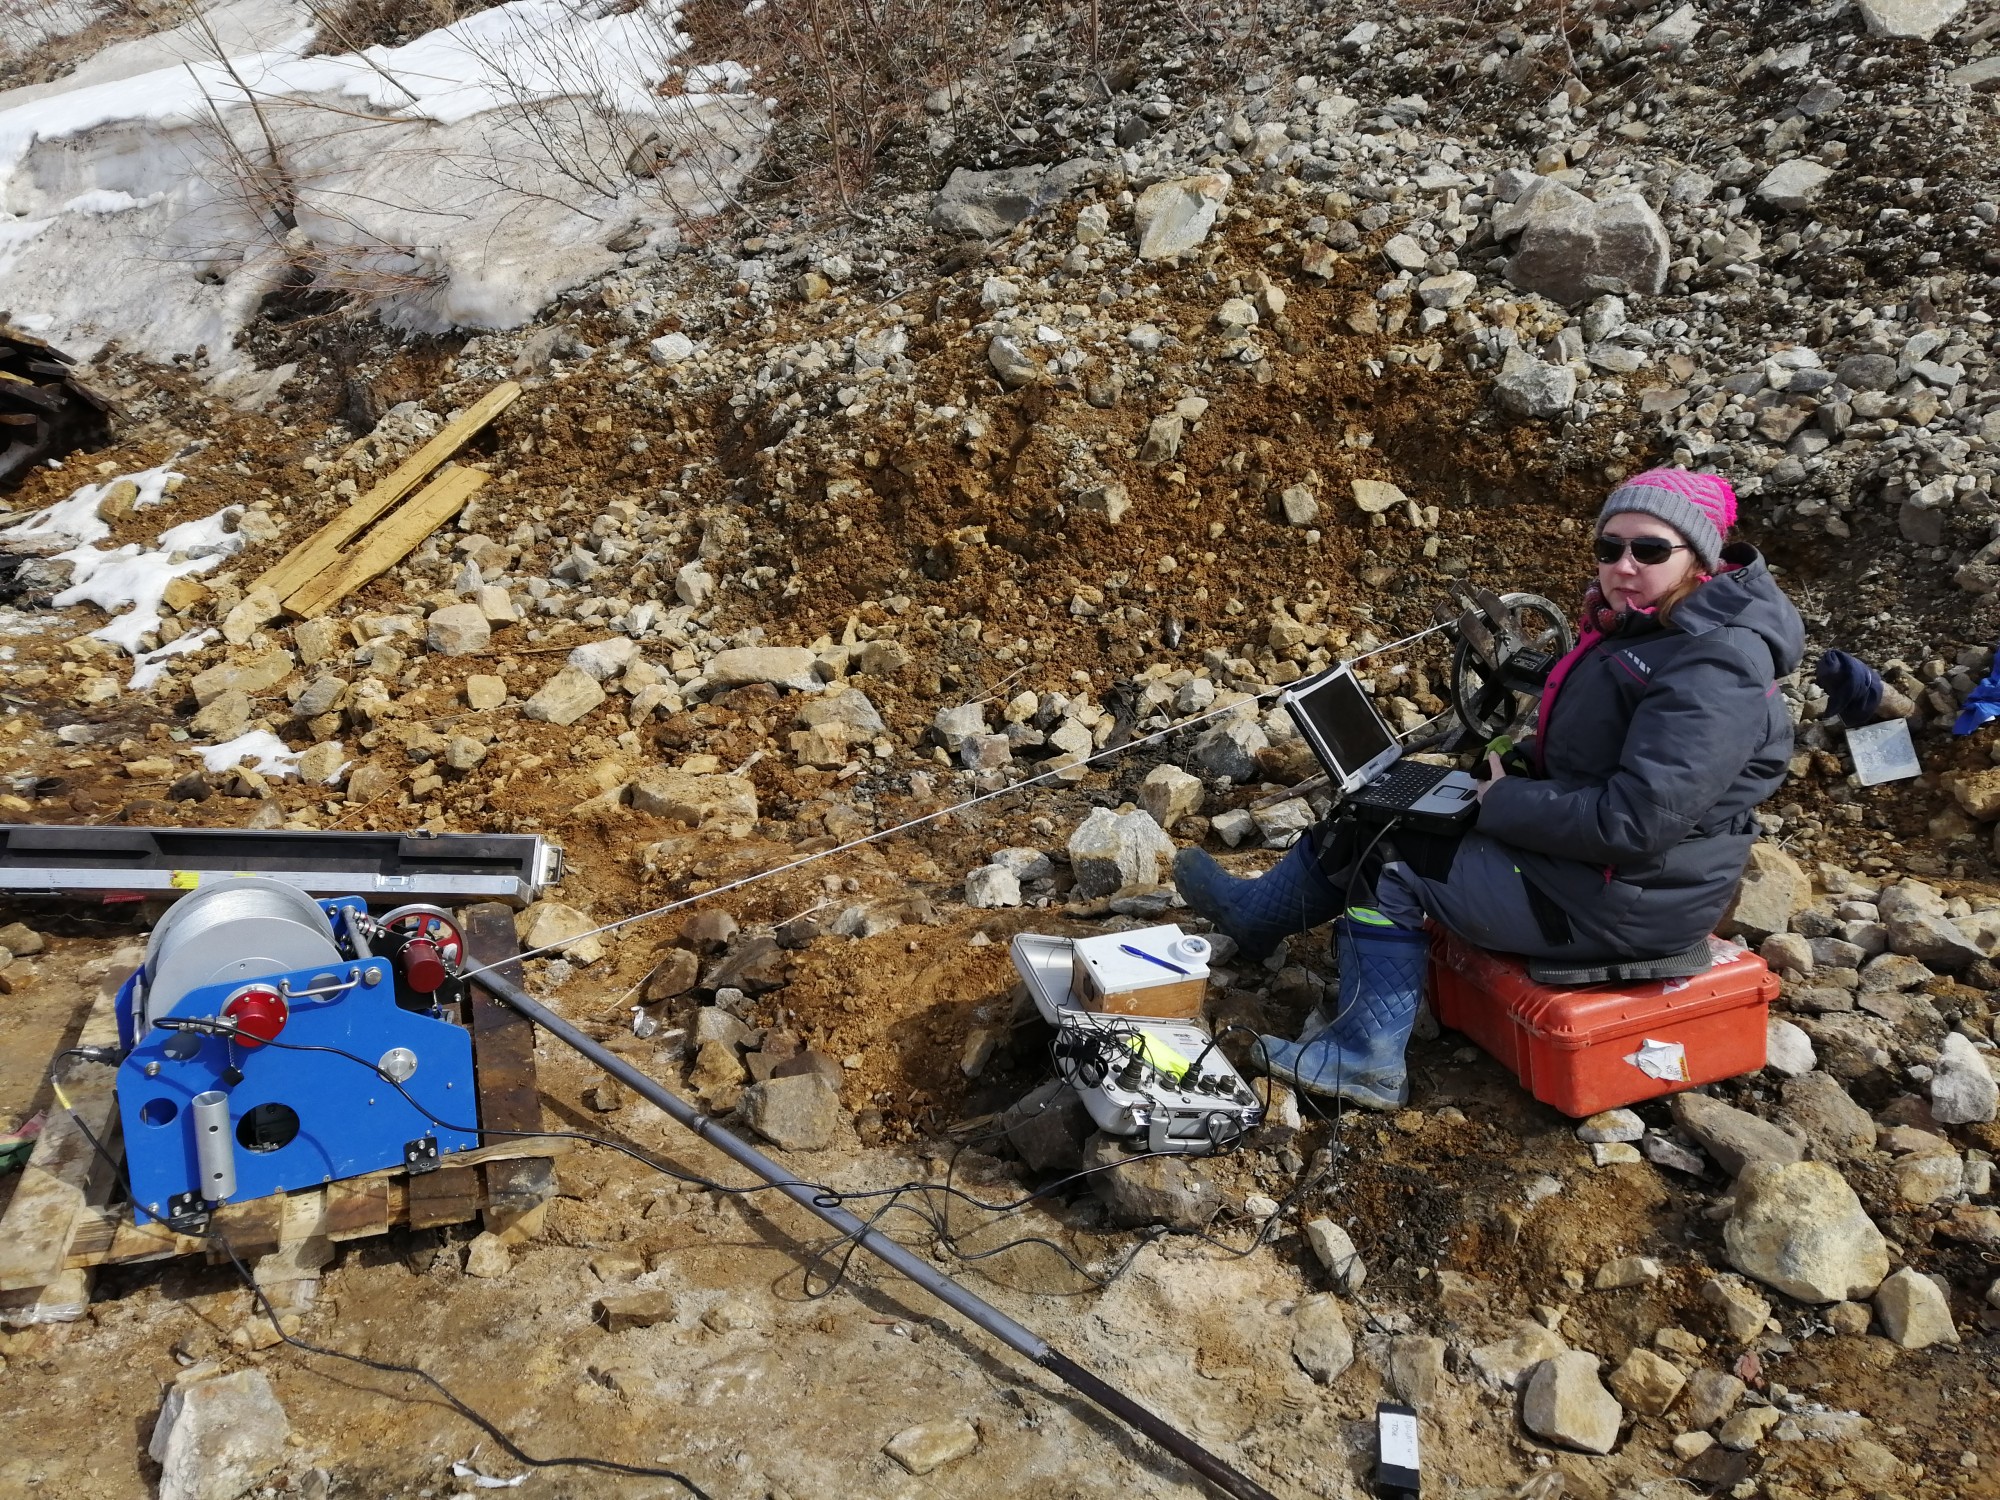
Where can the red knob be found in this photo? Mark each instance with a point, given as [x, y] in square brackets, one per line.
[423, 969]
[259, 1015]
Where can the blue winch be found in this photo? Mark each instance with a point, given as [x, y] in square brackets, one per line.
[274, 1042]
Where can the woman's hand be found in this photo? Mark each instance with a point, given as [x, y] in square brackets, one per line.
[1494, 771]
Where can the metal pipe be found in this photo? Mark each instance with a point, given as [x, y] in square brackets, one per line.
[1021, 1340]
[214, 1151]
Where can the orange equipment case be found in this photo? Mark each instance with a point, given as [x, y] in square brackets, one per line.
[1595, 1047]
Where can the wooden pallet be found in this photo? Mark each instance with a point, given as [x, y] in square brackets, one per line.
[68, 1216]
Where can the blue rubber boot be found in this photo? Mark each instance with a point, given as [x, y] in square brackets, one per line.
[1358, 1055]
[1260, 913]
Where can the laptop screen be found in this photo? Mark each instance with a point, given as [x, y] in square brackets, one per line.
[1345, 721]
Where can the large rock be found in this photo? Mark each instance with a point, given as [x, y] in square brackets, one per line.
[1110, 851]
[781, 666]
[1922, 19]
[564, 698]
[852, 709]
[1963, 1089]
[1572, 249]
[1530, 387]
[1566, 1403]
[1509, 1361]
[1415, 1366]
[1818, 1109]
[555, 925]
[988, 204]
[218, 1438]
[1793, 185]
[1774, 889]
[724, 803]
[638, 1307]
[1800, 1228]
[932, 1445]
[603, 660]
[458, 630]
[251, 676]
[1230, 749]
[1014, 365]
[1320, 1341]
[1334, 1247]
[1143, 1190]
[1646, 1383]
[1788, 1051]
[1742, 1312]
[992, 886]
[1734, 1137]
[1170, 217]
[1914, 1311]
[1048, 1127]
[953, 726]
[1169, 794]
[1914, 916]
[798, 1113]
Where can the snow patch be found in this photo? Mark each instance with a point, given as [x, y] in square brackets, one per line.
[128, 578]
[149, 666]
[462, 179]
[269, 755]
[76, 518]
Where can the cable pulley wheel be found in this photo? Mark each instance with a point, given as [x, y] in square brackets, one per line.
[431, 924]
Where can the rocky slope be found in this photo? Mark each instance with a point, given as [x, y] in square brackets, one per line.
[1131, 398]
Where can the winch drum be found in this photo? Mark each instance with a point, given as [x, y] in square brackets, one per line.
[238, 929]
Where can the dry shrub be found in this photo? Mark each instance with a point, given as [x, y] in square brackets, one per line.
[350, 25]
[850, 76]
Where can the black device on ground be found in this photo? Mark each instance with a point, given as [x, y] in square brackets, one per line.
[1396, 1473]
[1364, 759]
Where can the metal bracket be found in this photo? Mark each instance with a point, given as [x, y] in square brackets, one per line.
[187, 1213]
[421, 1156]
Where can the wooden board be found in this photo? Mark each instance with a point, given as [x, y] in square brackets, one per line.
[321, 550]
[503, 1054]
[65, 1176]
[389, 543]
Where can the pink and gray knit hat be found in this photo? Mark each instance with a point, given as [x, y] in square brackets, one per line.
[1701, 507]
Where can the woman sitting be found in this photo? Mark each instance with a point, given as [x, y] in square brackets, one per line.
[1619, 832]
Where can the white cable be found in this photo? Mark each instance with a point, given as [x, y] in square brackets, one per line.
[930, 817]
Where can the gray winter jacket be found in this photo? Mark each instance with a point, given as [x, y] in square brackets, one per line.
[1655, 749]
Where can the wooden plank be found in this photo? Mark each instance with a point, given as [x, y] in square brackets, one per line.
[303, 1216]
[108, 1237]
[252, 1228]
[503, 1040]
[358, 1207]
[389, 543]
[320, 550]
[503, 1047]
[450, 1195]
[65, 1176]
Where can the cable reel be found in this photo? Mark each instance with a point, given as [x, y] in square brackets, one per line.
[1507, 644]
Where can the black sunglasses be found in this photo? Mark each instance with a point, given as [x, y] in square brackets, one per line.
[1647, 550]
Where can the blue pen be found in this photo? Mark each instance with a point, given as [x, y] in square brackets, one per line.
[1142, 953]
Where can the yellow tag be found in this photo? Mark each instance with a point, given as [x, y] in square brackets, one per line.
[1159, 1055]
[184, 880]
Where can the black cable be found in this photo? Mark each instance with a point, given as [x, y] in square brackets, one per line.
[824, 1196]
[383, 1366]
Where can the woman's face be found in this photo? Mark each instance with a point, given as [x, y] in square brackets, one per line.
[1630, 584]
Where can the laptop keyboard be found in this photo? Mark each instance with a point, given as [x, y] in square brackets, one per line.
[1404, 786]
